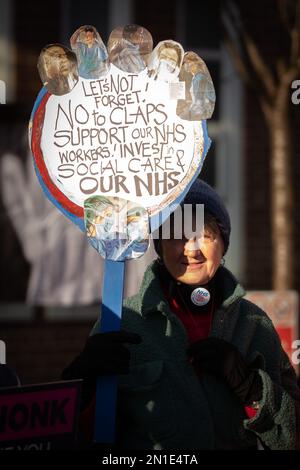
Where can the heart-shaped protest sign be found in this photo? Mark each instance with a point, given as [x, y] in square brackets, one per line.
[118, 135]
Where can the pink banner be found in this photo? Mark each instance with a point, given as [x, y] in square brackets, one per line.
[40, 413]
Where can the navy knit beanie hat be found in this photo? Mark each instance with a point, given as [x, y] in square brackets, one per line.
[202, 193]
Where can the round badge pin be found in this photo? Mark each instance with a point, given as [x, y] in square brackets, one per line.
[200, 296]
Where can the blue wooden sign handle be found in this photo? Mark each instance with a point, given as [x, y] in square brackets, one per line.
[111, 313]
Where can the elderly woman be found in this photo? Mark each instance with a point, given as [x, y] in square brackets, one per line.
[202, 368]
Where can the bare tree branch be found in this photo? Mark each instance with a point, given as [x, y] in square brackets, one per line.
[237, 60]
[281, 66]
[274, 100]
[267, 110]
[252, 59]
[291, 74]
[283, 14]
[262, 70]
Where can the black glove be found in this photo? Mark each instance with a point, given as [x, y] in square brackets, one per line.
[103, 354]
[223, 360]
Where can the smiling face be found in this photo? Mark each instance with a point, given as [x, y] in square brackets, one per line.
[194, 261]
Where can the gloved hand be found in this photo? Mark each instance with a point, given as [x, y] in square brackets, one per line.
[223, 360]
[103, 354]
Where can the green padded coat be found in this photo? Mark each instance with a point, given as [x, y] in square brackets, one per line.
[162, 403]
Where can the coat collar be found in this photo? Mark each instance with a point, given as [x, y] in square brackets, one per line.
[152, 299]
